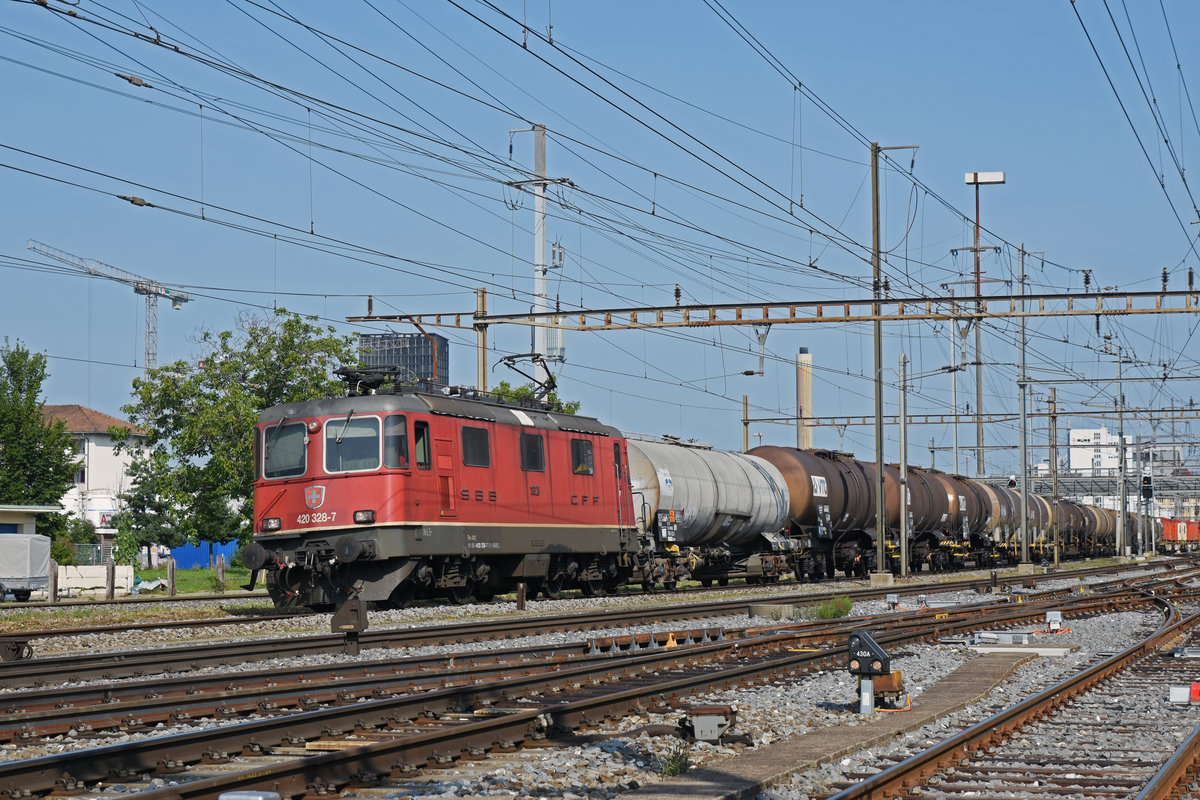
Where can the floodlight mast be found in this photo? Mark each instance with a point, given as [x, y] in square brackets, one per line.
[152, 290]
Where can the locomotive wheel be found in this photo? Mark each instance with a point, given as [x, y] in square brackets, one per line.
[612, 584]
[670, 585]
[402, 596]
[459, 595]
[648, 586]
[483, 594]
[553, 587]
[591, 587]
[722, 581]
[706, 582]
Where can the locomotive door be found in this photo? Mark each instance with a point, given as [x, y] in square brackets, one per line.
[443, 459]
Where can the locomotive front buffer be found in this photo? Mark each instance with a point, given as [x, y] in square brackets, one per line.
[876, 678]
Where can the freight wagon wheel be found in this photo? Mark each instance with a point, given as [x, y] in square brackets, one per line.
[706, 582]
[722, 581]
[612, 584]
[670, 585]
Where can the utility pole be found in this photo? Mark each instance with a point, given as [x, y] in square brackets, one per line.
[547, 342]
[1023, 388]
[1139, 532]
[877, 288]
[903, 466]
[977, 179]
[1054, 464]
[1124, 501]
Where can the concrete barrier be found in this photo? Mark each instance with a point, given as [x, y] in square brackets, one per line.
[776, 611]
[91, 581]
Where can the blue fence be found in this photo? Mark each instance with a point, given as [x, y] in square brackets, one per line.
[203, 555]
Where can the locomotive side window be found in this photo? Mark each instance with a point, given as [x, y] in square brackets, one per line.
[284, 454]
[533, 453]
[421, 445]
[352, 445]
[581, 457]
[476, 450]
[395, 442]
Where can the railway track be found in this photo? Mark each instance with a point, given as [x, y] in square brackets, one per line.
[364, 740]
[1106, 732]
[54, 670]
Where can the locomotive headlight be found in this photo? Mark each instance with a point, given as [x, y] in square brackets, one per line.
[364, 517]
[314, 425]
[272, 523]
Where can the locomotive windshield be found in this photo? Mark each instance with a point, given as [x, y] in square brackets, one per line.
[285, 451]
[353, 445]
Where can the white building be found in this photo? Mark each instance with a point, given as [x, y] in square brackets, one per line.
[1094, 452]
[102, 475]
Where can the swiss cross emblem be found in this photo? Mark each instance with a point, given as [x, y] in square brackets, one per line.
[314, 496]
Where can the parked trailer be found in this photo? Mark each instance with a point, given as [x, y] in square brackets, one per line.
[24, 564]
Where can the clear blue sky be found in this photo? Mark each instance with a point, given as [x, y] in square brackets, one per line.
[309, 154]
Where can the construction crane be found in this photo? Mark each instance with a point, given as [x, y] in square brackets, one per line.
[145, 286]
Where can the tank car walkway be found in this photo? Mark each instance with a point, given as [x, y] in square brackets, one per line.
[747, 775]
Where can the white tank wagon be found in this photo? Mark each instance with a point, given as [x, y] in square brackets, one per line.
[721, 505]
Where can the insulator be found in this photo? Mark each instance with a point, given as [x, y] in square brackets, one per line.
[1164, 279]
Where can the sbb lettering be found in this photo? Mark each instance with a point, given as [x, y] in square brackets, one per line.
[478, 495]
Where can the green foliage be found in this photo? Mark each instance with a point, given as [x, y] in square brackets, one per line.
[146, 517]
[200, 417]
[525, 392]
[36, 462]
[834, 608]
[676, 762]
[65, 531]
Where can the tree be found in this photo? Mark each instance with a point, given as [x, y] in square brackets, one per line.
[200, 417]
[510, 392]
[36, 462]
[145, 517]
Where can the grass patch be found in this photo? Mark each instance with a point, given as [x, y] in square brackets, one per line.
[834, 608]
[87, 616]
[676, 762]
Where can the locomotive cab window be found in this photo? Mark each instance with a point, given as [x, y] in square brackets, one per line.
[533, 453]
[284, 453]
[476, 450]
[421, 445]
[395, 442]
[581, 457]
[352, 444]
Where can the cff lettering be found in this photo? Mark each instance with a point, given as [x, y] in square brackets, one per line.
[478, 495]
